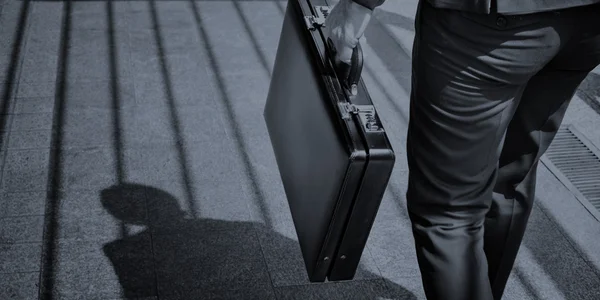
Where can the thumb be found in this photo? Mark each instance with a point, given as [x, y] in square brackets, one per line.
[345, 51]
[345, 54]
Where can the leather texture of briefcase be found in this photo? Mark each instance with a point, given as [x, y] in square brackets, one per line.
[333, 154]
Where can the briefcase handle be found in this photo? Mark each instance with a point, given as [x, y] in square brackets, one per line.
[349, 74]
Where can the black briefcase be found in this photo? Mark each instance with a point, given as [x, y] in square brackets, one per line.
[333, 154]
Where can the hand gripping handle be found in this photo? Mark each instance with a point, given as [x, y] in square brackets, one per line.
[349, 74]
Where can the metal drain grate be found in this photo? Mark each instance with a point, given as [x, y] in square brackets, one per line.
[575, 161]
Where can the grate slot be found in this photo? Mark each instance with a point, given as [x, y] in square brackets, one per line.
[575, 161]
[571, 151]
[578, 164]
[588, 182]
[580, 158]
[586, 185]
[580, 168]
[578, 161]
[585, 175]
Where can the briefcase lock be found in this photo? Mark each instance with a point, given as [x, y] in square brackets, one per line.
[365, 113]
[318, 20]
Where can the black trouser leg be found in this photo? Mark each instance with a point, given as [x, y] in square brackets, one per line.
[470, 78]
[530, 133]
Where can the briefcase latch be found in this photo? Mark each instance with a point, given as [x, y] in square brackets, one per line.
[318, 20]
[366, 115]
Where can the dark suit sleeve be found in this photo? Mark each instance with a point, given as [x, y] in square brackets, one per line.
[370, 4]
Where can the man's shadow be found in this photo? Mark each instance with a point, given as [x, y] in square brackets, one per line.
[199, 258]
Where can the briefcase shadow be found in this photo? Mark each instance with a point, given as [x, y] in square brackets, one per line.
[175, 257]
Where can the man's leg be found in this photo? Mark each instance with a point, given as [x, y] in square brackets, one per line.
[468, 78]
[536, 121]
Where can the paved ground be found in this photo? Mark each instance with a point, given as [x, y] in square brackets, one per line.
[133, 133]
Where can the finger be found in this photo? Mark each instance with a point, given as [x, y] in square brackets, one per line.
[362, 40]
[345, 54]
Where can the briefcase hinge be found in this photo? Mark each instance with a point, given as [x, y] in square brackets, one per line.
[365, 113]
[346, 109]
[318, 20]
